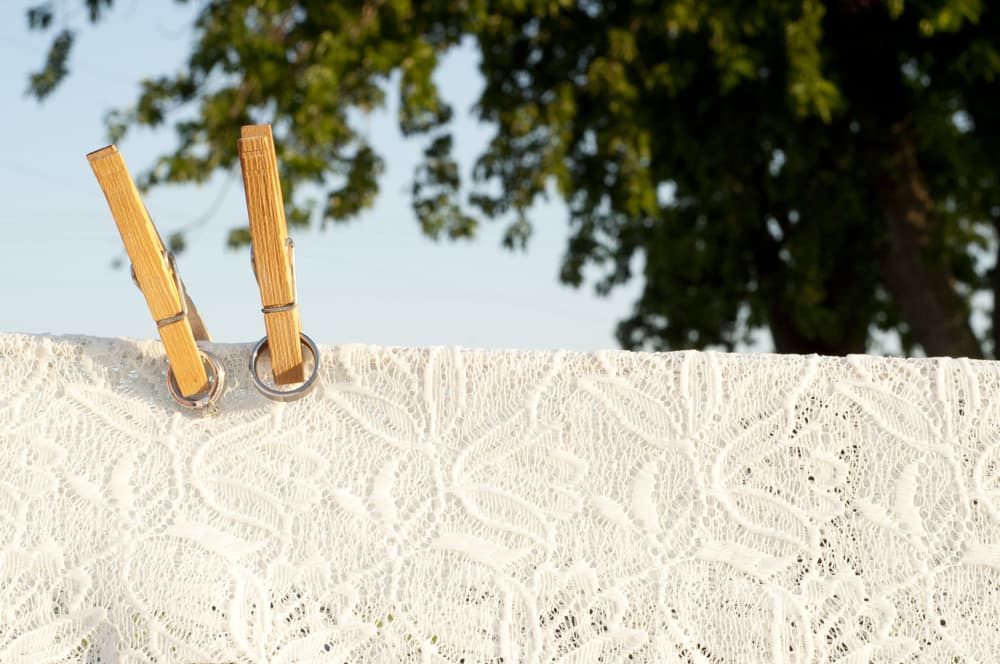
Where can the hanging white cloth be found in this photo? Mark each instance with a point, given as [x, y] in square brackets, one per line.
[445, 505]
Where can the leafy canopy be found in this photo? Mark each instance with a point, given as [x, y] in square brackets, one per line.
[746, 154]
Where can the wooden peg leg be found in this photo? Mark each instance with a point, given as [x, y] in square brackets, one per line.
[157, 282]
[269, 233]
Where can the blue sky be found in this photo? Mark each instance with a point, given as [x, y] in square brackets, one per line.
[376, 280]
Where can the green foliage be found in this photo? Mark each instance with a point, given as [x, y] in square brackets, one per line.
[745, 155]
[42, 83]
[176, 243]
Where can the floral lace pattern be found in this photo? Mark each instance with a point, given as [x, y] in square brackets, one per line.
[445, 506]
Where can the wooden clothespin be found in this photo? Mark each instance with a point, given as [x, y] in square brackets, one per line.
[154, 272]
[271, 252]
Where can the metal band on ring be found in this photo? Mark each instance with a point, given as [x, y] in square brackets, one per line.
[294, 393]
[203, 401]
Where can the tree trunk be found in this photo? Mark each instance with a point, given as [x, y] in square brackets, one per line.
[995, 285]
[788, 339]
[923, 291]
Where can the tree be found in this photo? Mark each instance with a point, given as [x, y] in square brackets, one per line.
[824, 169]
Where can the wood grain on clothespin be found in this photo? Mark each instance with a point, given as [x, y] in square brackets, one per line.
[271, 251]
[154, 275]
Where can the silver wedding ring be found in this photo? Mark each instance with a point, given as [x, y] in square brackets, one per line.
[204, 401]
[285, 395]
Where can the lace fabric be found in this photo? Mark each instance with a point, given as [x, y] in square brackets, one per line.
[445, 505]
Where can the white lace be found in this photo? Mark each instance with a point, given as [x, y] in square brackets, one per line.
[447, 505]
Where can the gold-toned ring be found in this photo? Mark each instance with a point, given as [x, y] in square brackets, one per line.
[205, 400]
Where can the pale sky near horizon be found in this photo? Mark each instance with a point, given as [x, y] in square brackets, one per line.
[376, 280]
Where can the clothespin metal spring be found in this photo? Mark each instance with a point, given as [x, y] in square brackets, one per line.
[168, 258]
[278, 308]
